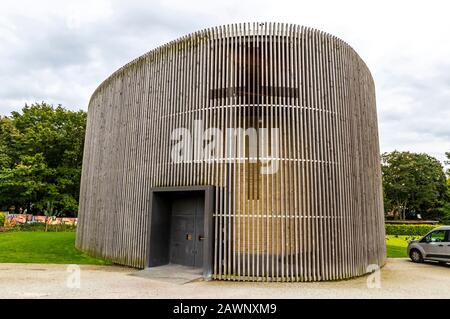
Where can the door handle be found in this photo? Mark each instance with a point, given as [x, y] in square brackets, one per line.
[441, 245]
[201, 238]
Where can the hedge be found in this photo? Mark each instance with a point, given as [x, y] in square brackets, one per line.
[409, 230]
[39, 227]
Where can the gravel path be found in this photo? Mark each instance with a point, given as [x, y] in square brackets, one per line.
[400, 278]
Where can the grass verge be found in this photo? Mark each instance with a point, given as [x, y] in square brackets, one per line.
[43, 248]
[397, 245]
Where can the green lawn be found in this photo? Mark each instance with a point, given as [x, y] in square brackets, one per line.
[396, 246]
[41, 247]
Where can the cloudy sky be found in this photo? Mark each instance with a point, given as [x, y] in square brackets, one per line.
[59, 51]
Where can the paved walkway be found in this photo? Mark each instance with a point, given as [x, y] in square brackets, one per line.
[400, 278]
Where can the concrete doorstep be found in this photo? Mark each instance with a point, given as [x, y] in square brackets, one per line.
[175, 274]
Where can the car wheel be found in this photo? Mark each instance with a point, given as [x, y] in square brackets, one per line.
[416, 256]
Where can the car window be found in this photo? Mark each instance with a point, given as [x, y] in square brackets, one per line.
[437, 236]
[448, 236]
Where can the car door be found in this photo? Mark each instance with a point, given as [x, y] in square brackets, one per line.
[435, 244]
[447, 246]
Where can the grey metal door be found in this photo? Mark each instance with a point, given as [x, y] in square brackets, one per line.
[199, 231]
[187, 224]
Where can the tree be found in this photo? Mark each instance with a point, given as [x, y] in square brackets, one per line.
[413, 184]
[446, 208]
[8, 133]
[447, 162]
[49, 213]
[42, 149]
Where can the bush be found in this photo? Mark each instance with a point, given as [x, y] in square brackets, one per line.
[2, 219]
[39, 227]
[409, 230]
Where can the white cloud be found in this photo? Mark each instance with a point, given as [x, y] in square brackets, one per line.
[83, 13]
[59, 51]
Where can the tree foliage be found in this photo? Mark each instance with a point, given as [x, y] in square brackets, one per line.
[414, 184]
[447, 162]
[41, 151]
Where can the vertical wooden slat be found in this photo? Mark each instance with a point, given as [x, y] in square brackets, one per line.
[240, 147]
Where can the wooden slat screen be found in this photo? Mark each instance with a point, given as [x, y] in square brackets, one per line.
[320, 217]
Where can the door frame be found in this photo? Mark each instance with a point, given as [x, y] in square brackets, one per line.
[156, 211]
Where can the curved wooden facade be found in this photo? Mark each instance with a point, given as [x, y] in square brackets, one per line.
[319, 217]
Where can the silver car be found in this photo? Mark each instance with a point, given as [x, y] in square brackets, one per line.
[433, 246]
